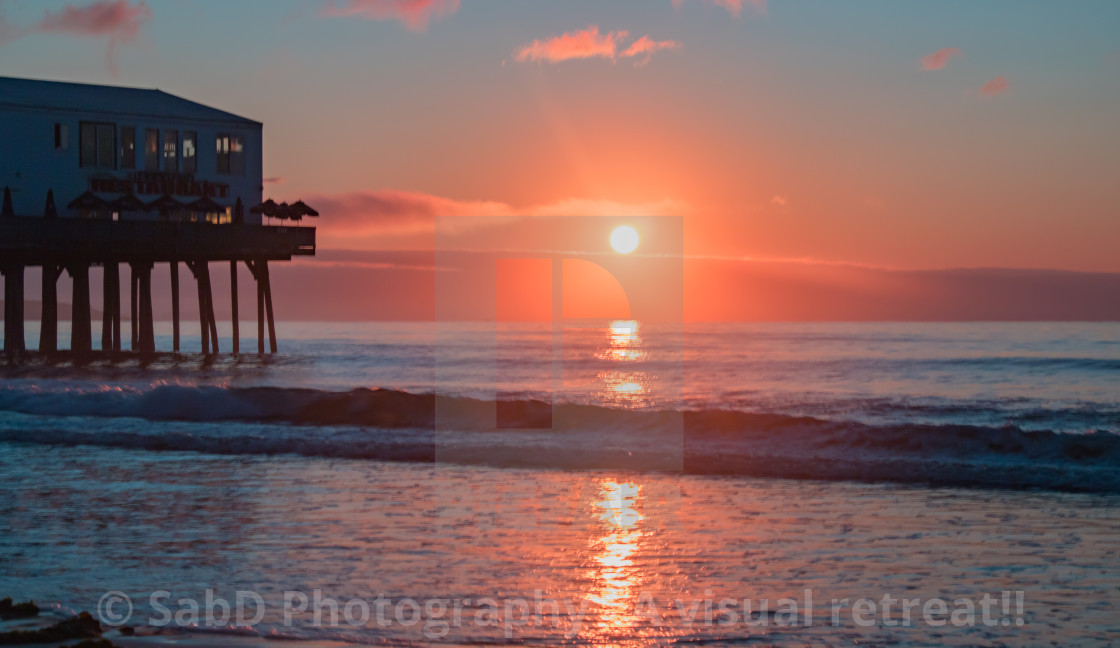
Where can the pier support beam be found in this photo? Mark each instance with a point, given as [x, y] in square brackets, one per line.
[259, 268]
[13, 309]
[81, 335]
[48, 323]
[206, 321]
[115, 270]
[111, 307]
[175, 306]
[233, 305]
[146, 338]
[135, 324]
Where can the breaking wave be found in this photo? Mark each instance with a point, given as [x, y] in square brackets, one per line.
[383, 424]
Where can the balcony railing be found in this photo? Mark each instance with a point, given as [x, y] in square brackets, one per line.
[27, 239]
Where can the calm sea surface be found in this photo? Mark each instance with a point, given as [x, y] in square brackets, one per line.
[634, 478]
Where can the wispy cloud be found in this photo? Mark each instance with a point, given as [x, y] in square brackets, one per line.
[779, 201]
[120, 21]
[939, 59]
[392, 212]
[734, 7]
[645, 47]
[996, 86]
[591, 43]
[275, 180]
[415, 14]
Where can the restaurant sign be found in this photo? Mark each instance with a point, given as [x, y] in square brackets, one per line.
[149, 182]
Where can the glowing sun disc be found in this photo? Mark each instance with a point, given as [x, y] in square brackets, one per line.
[624, 239]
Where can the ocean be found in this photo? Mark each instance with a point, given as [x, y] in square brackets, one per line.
[647, 482]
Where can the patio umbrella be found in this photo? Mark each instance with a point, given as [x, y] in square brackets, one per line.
[206, 205]
[165, 205]
[283, 211]
[268, 208]
[50, 211]
[89, 202]
[127, 203]
[8, 211]
[238, 211]
[304, 209]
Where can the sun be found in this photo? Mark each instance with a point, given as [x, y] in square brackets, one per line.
[624, 239]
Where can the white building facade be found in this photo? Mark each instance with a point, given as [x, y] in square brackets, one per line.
[113, 141]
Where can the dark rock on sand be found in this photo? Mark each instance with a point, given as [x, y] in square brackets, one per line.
[91, 643]
[82, 626]
[25, 610]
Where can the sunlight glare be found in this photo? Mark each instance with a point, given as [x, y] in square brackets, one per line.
[624, 239]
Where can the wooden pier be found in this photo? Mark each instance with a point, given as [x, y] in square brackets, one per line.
[75, 245]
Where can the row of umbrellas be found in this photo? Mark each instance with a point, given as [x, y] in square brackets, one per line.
[165, 204]
[91, 202]
[295, 211]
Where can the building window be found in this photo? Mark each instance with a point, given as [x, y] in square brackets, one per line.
[99, 145]
[171, 150]
[151, 149]
[61, 137]
[190, 155]
[128, 147]
[231, 155]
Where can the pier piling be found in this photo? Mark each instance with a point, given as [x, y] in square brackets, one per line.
[13, 309]
[135, 327]
[146, 339]
[175, 306]
[80, 331]
[48, 323]
[233, 306]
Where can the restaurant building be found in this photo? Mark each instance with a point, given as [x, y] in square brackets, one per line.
[104, 177]
[112, 141]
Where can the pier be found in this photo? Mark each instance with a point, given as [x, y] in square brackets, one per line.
[74, 245]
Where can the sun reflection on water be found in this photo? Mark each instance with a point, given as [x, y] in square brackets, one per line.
[623, 387]
[615, 575]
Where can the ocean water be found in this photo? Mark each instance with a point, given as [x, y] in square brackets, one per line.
[644, 472]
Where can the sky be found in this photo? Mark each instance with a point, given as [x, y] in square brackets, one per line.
[883, 135]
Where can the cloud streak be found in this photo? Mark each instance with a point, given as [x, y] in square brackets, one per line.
[939, 59]
[998, 85]
[120, 21]
[591, 43]
[734, 7]
[392, 212]
[415, 14]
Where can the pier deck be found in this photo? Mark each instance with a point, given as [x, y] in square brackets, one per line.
[74, 245]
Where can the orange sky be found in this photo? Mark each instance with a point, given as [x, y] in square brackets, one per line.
[873, 135]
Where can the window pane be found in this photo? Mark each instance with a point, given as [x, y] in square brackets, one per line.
[151, 149]
[223, 153]
[236, 155]
[128, 147]
[107, 146]
[61, 137]
[189, 154]
[171, 150]
[88, 135]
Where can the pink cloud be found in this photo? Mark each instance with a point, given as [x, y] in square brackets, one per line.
[940, 58]
[647, 46]
[734, 7]
[590, 43]
[996, 86]
[392, 212]
[118, 20]
[415, 14]
[275, 180]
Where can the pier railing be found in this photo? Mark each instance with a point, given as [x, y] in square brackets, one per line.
[38, 240]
